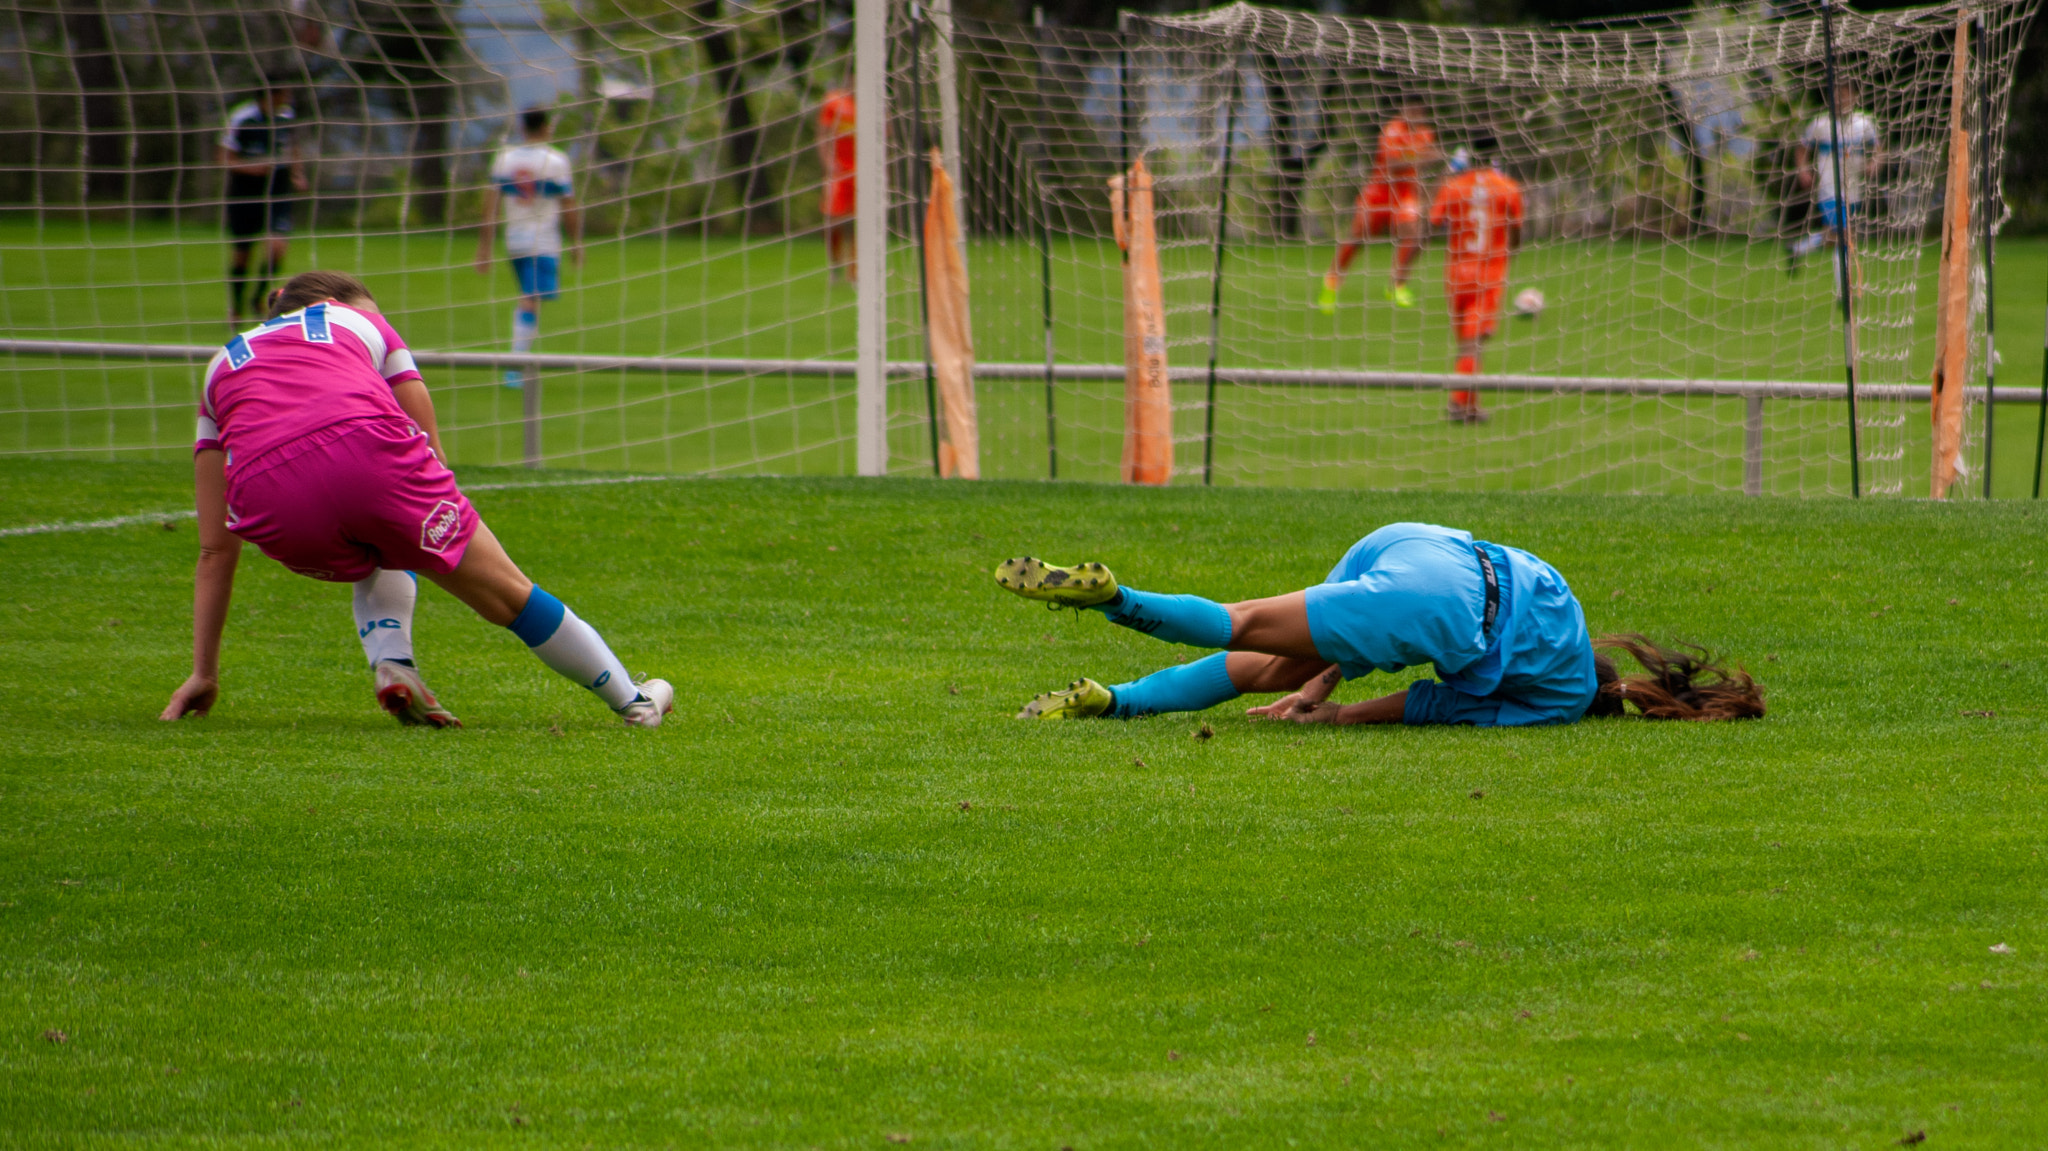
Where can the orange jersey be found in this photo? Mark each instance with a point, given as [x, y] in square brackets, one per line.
[1403, 148]
[835, 123]
[1477, 208]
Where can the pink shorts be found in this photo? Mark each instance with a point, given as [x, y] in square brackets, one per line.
[374, 497]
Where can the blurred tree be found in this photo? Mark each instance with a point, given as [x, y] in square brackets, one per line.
[417, 46]
[2026, 136]
[99, 82]
[742, 138]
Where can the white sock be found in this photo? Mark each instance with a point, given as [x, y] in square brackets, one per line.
[1807, 245]
[383, 605]
[573, 648]
[525, 330]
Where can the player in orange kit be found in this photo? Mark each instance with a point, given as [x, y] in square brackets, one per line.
[1480, 211]
[835, 150]
[1390, 202]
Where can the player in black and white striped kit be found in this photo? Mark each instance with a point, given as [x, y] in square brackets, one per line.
[264, 172]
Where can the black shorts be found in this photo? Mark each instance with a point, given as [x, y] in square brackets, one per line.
[259, 205]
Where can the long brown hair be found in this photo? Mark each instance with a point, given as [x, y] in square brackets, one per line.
[309, 288]
[1683, 682]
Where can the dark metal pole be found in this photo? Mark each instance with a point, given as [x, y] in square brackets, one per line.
[1216, 277]
[1052, 431]
[1123, 130]
[2041, 428]
[922, 179]
[1038, 153]
[1988, 209]
[1843, 232]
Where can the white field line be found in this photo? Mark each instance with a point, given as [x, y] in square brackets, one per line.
[187, 513]
[588, 481]
[95, 525]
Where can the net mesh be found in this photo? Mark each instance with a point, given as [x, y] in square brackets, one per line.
[1660, 162]
[1669, 227]
[693, 137]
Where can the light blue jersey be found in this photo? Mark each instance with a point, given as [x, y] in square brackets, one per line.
[1412, 594]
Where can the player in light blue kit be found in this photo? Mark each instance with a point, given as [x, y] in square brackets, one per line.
[1506, 637]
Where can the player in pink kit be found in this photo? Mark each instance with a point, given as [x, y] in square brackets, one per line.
[317, 444]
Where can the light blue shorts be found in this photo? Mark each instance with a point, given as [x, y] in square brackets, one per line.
[538, 275]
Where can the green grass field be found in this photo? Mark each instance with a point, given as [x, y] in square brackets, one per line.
[843, 899]
[1712, 309]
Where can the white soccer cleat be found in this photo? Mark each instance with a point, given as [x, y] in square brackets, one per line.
[402, 692]
[657, 699]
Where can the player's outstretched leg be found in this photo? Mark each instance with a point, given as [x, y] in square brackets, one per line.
[494, 587]
[1276, 625]
[525, 330]
[1333, 280]
[1197, 686]
[238, 280]
[1409, 246]
[383, 609]
[273, 263]
[1174, 618]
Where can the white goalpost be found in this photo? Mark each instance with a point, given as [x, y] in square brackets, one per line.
[735, 315]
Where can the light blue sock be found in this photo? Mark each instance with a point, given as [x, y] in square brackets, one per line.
[1190, 687]
[1187, 619]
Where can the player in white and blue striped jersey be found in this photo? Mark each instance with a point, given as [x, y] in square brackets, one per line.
[532, 188]
[1862, 150]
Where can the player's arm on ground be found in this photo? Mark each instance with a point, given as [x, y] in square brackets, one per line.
[1385, 709]
[487, 232]
[213, 583]
[1310, 696]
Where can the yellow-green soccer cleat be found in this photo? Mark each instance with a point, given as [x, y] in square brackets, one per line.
[1081, 699]
[1402, 295]
[1326, 300]
[1083, 585]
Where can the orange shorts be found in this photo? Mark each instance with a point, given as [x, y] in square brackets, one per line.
[1382, 206]
[1475, 305]
[839, 195]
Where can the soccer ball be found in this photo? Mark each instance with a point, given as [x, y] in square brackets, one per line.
[1529, 303]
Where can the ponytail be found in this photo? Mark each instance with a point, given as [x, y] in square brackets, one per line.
[1683, 682]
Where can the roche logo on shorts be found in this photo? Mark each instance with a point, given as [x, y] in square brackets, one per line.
[437, 531]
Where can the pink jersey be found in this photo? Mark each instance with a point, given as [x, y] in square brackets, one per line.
[301, 378]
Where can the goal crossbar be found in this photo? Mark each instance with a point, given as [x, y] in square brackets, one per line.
[1067, 373]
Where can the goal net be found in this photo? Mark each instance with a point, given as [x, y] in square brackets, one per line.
[1691, 336]
[1673, 174]
[707, 328]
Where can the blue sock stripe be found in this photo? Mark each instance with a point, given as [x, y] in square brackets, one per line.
[539, 619]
